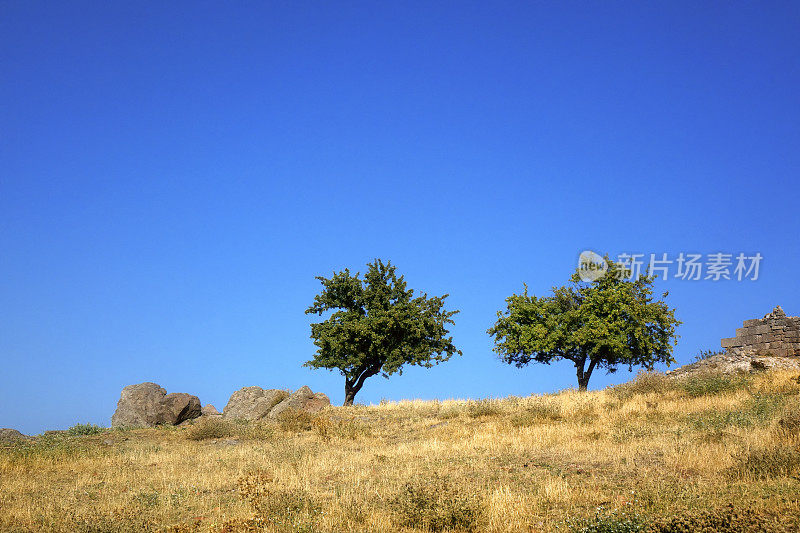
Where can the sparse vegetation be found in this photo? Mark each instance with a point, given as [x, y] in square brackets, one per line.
[658, 454]
[85, 429]
[707, 354]
[435, 504]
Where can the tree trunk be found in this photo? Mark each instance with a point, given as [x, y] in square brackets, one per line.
[351, 387]
[584, 375]
[349, 395]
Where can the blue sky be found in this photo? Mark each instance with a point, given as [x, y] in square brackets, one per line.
[173, 176]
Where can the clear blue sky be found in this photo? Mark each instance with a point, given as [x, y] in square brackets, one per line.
[173, 176]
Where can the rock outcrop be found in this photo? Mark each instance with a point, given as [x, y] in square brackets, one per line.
[10, 436]
[303, 399]
[736, 363]
[177, 407]
[252, 403]
[148, 405]
[255, 403]
[209, 410]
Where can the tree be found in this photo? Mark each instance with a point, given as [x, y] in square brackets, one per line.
[604, 323]
[377, 326]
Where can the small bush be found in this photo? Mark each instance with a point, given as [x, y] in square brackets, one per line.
[484, 407]
[434, 505]
[210, 429]
[448, 413]
[710, 383]
[296, 420]
[605, 521]
[274, 507]
[339, 429]
[84, 429]
[644, 383]
[766, 463]
[538, 413]
[726, 520]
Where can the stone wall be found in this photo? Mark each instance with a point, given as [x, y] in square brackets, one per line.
[775, 334]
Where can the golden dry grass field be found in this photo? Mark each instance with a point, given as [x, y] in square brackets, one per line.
[656, 454]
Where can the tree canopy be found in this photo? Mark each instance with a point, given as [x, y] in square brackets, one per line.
[377, 325]
[605, 323]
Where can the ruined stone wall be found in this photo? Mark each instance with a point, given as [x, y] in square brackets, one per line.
[775, 334]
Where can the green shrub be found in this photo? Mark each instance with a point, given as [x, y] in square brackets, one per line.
[434, 505]
[84, 429]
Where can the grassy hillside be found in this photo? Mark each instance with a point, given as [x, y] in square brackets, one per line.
[656, 454]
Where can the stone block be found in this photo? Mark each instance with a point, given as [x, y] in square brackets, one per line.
[760, 329]
[744, 332]
[731, 342]
[753, 322]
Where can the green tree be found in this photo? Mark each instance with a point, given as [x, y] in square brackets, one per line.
[377, 326]
[604, 323]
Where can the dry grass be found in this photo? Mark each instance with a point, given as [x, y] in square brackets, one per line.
[655, 453]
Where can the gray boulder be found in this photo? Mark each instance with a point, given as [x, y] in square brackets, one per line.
[303, 399]
[252, 403]
[148, 405]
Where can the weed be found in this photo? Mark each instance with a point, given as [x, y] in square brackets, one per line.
[434, 505]
[484, 407]
[276, 508]
[726, 520]
[296, 420]
[210, 429]
[537, 413]
[711, 383]
[644, 383]
[707, 354]
[766, 463]
[605, 521]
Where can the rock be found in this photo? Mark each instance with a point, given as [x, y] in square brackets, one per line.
[148, 404]
[736, 363]
[10, 436]
[138, 405]
[316, 404]
[252, 403]
[303, 399]
[178, 407]
[210, 410]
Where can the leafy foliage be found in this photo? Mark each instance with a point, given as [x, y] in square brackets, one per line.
[377, 325]
[605, 323]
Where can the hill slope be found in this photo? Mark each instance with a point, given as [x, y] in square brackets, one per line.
[648, 454]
